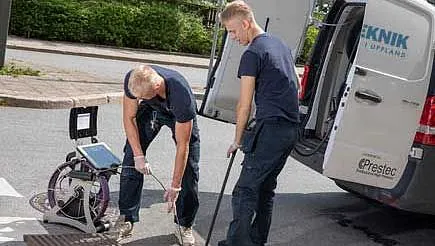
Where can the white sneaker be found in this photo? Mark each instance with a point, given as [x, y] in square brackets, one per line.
[184, 235]
[125, 230]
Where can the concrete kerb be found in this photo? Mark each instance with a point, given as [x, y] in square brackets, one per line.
[105, 56]
[68, 102]
[36, 102]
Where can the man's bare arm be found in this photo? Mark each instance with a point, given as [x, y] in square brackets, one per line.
[129, 120]
[244, 106]
[183, 132]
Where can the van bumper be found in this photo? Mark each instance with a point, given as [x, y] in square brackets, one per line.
[414, 192]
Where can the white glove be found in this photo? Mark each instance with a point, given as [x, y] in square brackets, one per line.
[141, 165]
[171, 196]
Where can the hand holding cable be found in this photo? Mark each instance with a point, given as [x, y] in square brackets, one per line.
[171, 196]
[141, 165]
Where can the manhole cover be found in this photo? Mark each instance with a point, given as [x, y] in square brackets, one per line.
[40, 202]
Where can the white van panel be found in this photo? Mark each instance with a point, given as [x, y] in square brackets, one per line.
[287, 20]
[379, 113]
[409, 41]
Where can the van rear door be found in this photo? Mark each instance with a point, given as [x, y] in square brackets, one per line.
[285, 19]
[385, 94]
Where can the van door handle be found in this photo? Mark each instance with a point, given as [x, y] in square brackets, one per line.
[359, 71]
[365, 95]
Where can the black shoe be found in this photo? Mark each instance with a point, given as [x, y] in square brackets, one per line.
[222, 243]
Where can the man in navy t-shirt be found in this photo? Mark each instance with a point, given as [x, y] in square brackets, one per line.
[157, 96]
[266, 69]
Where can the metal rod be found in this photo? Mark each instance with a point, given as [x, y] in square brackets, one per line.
[215, 38]
[218, 204]
[5, 13]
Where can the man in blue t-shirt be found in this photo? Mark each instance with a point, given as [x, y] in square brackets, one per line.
[157, 96]
[266, 68]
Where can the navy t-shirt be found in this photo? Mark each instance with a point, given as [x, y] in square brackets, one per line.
[269, 60]
[179, 101]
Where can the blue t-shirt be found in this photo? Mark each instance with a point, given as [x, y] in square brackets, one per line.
[179, 102]
[269, 60]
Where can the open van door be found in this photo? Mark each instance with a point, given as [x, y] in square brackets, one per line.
[283, 18]
[385, 93]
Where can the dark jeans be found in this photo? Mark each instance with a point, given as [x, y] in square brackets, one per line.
[266, 151]
[132, 181]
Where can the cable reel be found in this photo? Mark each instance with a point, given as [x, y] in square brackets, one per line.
[78, 190]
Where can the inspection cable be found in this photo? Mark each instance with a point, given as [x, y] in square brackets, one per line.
[159, 182]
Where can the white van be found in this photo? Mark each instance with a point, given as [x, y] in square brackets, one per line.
[367, 100]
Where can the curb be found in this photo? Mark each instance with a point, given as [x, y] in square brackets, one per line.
[14, 38]
[102, 56]
[68, 102]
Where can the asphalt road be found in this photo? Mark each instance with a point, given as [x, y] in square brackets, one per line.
[309, 208]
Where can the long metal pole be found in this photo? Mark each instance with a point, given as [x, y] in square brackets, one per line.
[218, 204]
[215, 40]
[5, 13]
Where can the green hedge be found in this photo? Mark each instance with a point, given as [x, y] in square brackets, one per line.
[149, 25]
[310, 39]
[169, 25]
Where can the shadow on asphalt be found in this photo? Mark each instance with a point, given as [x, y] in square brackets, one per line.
[309, 219]
[330, 218]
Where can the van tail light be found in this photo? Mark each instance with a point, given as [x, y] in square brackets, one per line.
[426, 131]
[304, 82]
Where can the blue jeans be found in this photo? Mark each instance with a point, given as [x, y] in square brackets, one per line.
[132, 181]
[266, 151]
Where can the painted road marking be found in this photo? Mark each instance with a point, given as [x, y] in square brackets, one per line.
[7, 190]
[6, 229]
[8, 220]
[7, 239]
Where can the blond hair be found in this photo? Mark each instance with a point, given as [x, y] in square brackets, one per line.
[141, 81]
[238, 9]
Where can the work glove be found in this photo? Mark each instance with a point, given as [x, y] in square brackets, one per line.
[233, 147]
[141, 165]
[171, 195]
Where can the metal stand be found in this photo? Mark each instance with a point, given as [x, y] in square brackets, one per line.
[55, 215]
[5, 12]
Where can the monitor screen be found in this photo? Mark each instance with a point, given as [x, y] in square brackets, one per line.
[83, 121]
[99, 155]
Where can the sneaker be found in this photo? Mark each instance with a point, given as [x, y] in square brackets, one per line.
[185, 237]
[125, 230]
